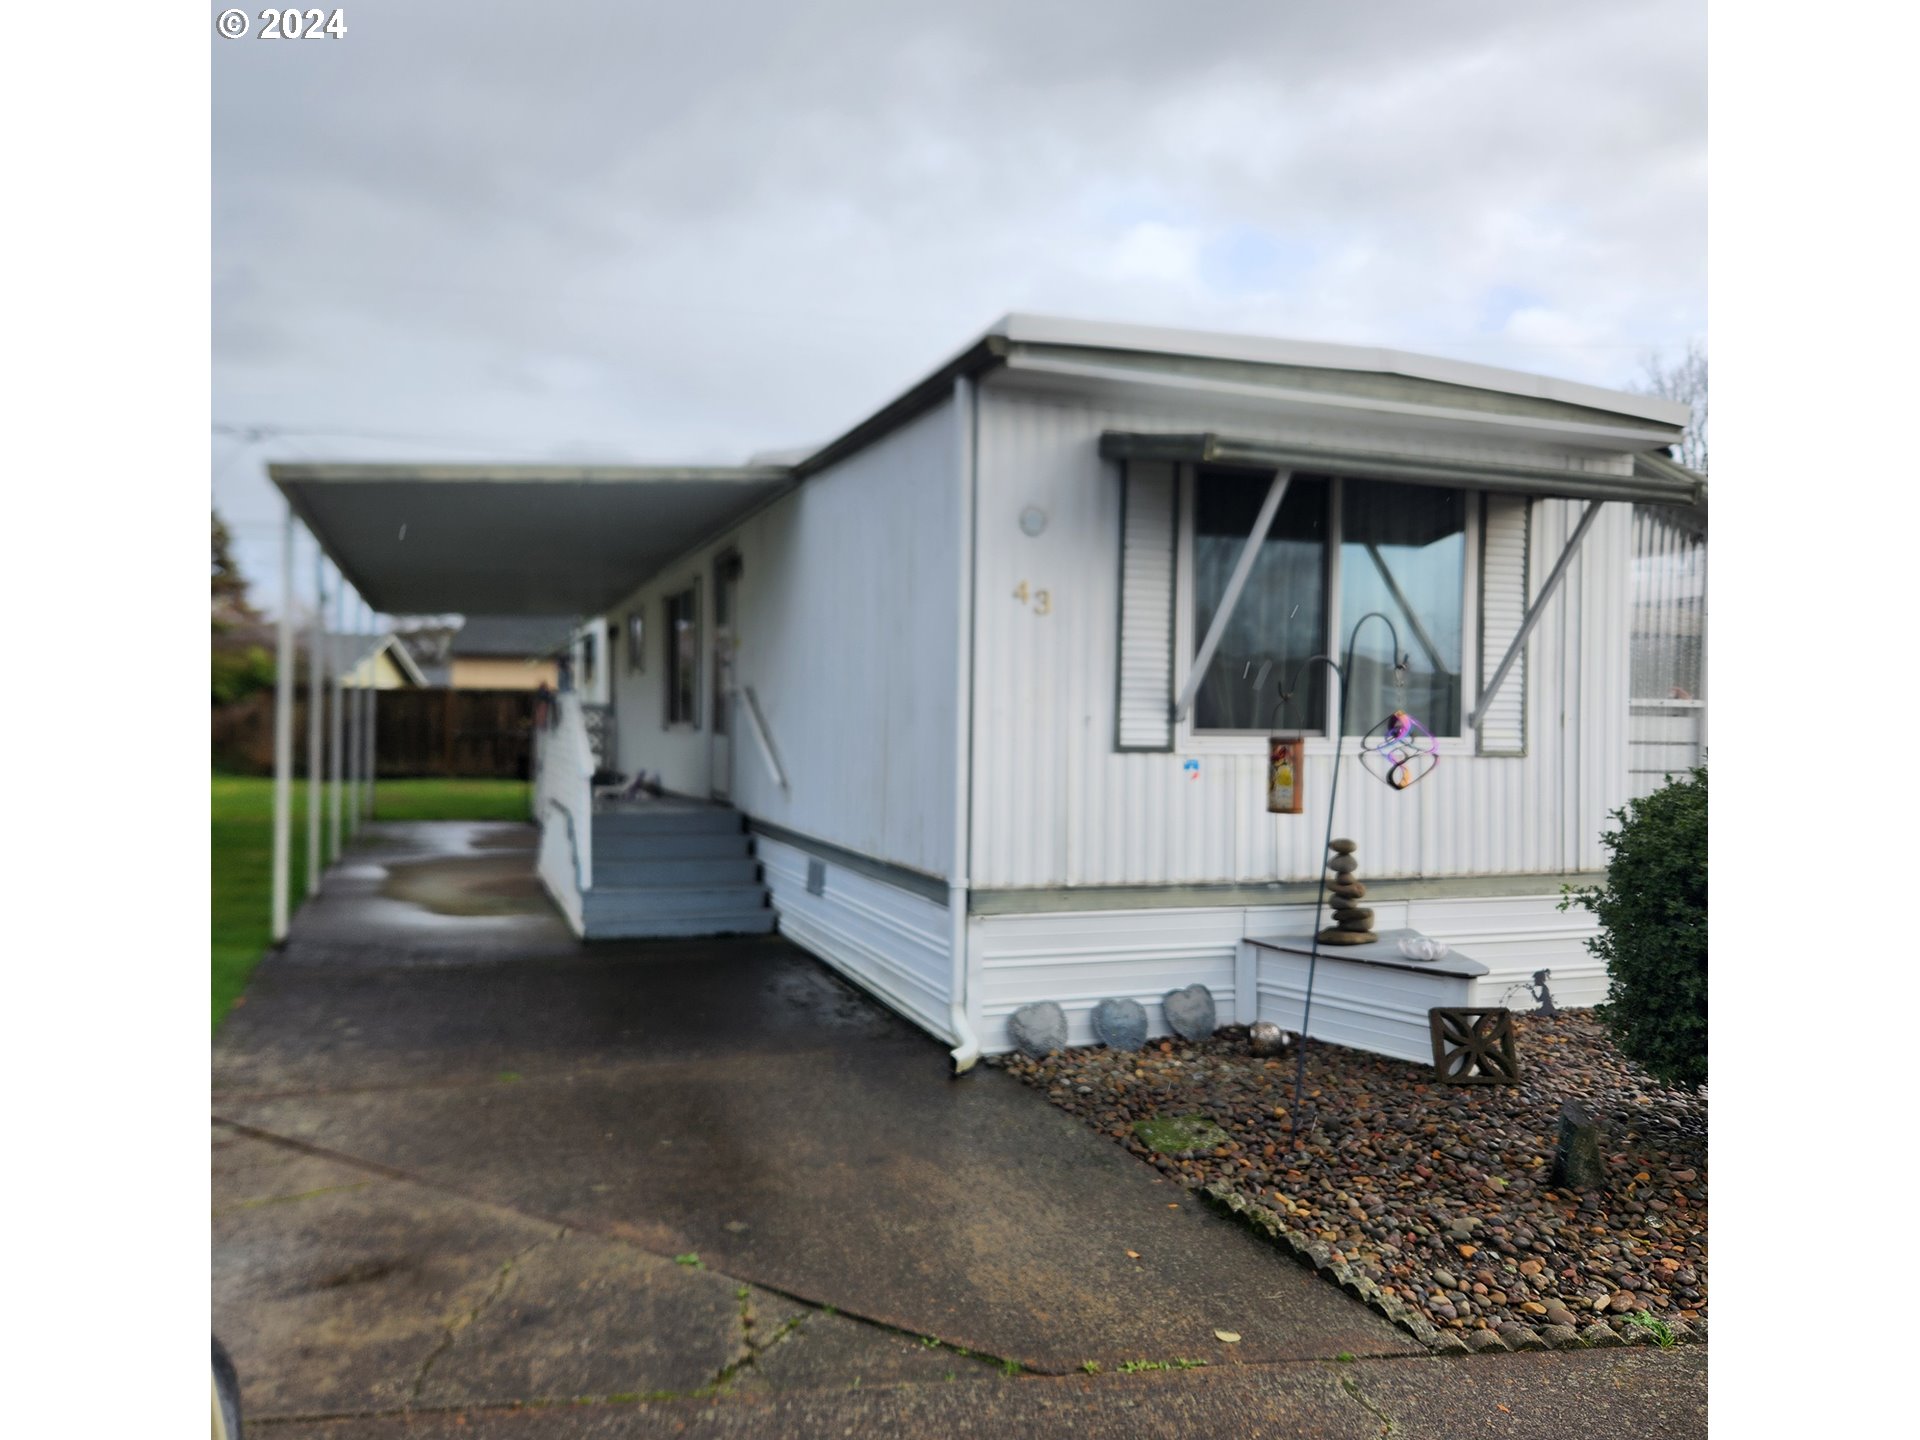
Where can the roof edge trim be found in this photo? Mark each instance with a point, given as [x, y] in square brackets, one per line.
[1211, 448]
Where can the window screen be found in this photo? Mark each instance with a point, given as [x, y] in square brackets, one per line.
[1282, 614]
[1403, 553]
[683, 656]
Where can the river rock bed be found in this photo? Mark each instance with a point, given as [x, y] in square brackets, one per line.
[1435, 1197]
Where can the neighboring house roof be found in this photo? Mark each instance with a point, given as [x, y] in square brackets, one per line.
[573, 539]
[532, 637]
[429, 646]
[346, 653]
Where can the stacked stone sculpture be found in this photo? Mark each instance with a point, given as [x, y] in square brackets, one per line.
[1353, 922]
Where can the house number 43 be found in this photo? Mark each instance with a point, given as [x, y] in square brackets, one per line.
[1041, 600]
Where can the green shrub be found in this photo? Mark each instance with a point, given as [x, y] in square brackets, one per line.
[1653, 930]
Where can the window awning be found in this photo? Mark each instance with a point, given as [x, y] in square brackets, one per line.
[1654, 480]
[513, 539]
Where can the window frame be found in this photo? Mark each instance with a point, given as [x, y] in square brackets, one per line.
[670, 660]
[636, 628]
[1189, 739]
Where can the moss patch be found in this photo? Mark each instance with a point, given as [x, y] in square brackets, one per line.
[1181, 1135]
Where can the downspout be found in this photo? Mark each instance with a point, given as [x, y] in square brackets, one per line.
[966, 1046]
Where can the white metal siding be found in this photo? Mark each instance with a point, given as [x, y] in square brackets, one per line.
[1503, 605]
[1054, 803]
[1146, 608]
[889, 941]
[845, 630]
[1079, 958]
[1668, 738]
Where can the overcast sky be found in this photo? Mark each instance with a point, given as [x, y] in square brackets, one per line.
[622, 230]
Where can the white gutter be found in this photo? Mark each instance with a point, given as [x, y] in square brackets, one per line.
[966, 1045]
[1584, 433]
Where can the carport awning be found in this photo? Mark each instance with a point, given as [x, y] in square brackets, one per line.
[513, 539]
[1654, 480]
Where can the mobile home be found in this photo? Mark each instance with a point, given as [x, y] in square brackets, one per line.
[982, 690]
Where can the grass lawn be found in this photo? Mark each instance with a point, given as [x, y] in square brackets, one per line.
[243, 854]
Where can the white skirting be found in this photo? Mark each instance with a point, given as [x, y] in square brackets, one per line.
[1078, 958]
[890, 942]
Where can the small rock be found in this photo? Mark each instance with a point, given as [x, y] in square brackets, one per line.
[1038, 1029]
[1481, 1341]
[1120, 1024]
[1600, 1336]
[1622, 1303]
[1561, 1337]
[1190, 1013]
[1342, 847]
[1343, 864]
[1533, 1307]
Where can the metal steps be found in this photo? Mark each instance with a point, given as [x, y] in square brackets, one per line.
[642, 874]
[673, 868]
[710, 845]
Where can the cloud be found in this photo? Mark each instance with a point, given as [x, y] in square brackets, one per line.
[695, 232]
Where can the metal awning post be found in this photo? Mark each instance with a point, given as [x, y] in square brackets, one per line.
[350, 681]
[366, 719]
[1534, 611]
[316, 713]
[334, 730]
[1236, 582]
[283, 741]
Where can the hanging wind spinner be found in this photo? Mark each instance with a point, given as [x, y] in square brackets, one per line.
[1399, 750]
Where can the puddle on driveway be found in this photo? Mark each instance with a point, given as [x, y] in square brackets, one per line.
[467, 885]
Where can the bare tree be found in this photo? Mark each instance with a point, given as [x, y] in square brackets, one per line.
[1685, 380]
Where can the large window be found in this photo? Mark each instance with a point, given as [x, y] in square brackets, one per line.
[1337, 550]
[1669, 606]
[683, 656]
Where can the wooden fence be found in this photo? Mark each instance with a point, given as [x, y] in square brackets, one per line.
[477, 733]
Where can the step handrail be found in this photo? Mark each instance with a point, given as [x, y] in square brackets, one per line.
[573, 842]
[758, 723]
[564, 780]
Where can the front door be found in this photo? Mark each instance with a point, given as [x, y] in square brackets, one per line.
[726, 587]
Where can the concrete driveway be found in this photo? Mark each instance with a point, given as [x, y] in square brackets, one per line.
[470, 1173]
